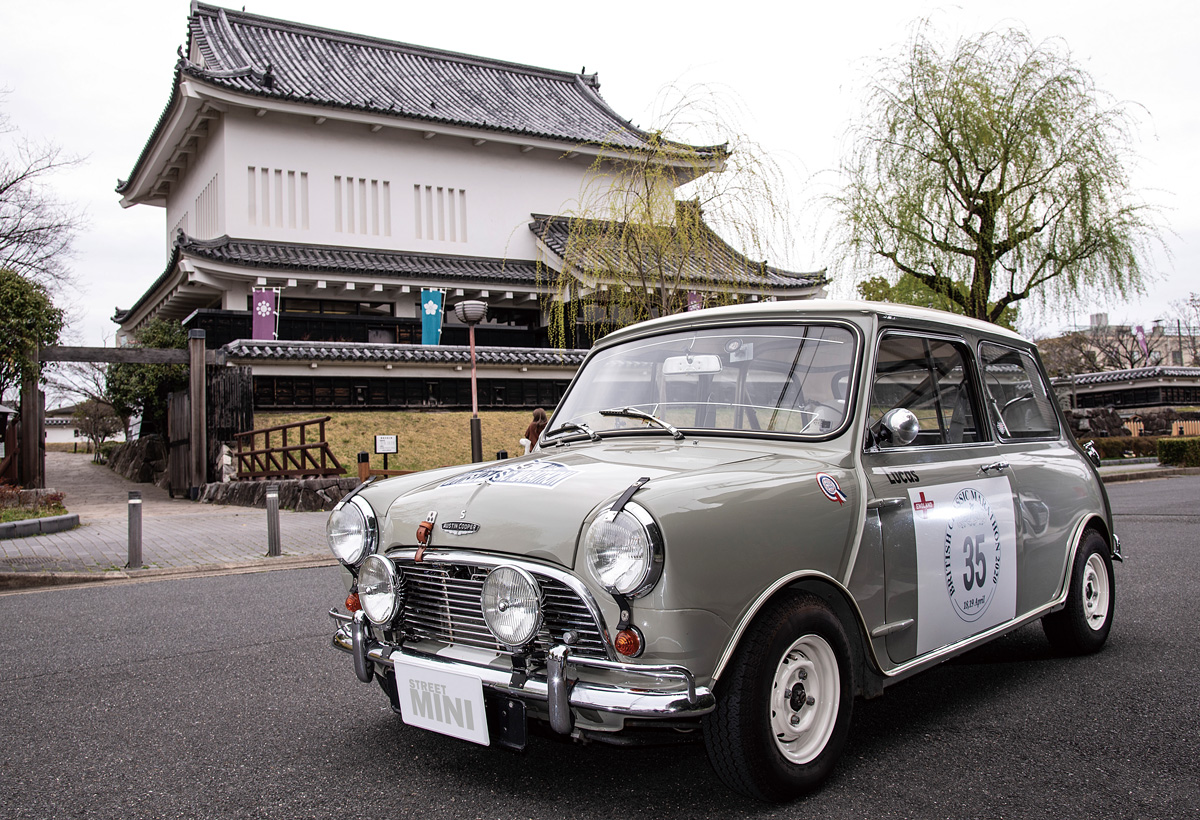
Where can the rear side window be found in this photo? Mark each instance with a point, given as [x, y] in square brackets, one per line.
[929, 377]
[1019, 401]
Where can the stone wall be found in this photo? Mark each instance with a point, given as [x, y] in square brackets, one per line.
[143, 460]
[301, 495]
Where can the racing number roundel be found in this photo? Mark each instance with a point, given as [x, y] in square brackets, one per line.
[971, 556]
[966, 552]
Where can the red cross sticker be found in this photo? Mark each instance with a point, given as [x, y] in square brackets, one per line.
[923, 506]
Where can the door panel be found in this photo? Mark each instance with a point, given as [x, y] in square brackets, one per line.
[945, 502]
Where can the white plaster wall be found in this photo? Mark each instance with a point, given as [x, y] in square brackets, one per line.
[202, 166]
[236, 295]
[503, 185]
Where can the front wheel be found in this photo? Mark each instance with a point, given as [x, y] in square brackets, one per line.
[783, 709]
[1082, 626]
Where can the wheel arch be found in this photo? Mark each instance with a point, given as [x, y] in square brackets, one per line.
[868, 682]
[1090, 523]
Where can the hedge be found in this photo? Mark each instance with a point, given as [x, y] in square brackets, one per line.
[1117, 446]
[1179, 451]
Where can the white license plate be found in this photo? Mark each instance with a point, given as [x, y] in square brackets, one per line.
[441, 701]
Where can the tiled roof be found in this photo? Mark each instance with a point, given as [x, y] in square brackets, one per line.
[331, 259]
[715, 262]
[360, 261]
[265, 57]
[409, 354]
[277, 59]
[1136, 374]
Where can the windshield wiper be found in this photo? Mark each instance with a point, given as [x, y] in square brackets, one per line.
[570, 426]
[634, 413]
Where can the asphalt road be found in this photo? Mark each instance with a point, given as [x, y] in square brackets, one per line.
[219, 697]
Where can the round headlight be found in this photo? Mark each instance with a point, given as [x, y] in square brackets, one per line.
[379, 589]
[512, 605]
[623, 550]
[350, 534]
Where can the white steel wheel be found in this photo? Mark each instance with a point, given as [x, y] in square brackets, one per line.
[1082, 625]
[805, 696]
[783, 705]
[1095, 592]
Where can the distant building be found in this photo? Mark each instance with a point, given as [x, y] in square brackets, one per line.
[346, 173]
[1133, 390]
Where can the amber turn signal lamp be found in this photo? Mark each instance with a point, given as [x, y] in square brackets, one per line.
[629, 642]
[352, 603]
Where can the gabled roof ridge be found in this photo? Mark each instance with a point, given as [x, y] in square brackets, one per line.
[541, 223]
[278, 24]
[187, 242]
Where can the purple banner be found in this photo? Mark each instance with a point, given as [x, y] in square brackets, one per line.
[263, 313]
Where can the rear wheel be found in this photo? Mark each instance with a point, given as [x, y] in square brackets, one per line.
[784, 704]
[1082, 626]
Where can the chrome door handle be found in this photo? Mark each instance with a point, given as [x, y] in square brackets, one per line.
[881, 503]
[997, 466]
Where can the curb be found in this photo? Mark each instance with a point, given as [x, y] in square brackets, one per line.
[39, 526]
[1139, 475]
[19, 581]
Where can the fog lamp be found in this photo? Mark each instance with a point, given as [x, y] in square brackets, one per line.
[378, 589]
[512, 605]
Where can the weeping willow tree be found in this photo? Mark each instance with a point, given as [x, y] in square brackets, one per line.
[643, 238]
[993, 172]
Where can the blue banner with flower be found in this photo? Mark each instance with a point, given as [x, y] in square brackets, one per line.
[431, 316]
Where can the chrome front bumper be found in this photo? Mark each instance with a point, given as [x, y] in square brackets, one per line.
[557, 689]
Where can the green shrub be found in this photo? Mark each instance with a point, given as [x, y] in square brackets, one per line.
[47, 504]
[1118, 446]
[1180, 451]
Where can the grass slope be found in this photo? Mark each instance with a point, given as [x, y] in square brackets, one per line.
[424, 440]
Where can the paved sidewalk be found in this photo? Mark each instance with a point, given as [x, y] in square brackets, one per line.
[181, 537]
[177, 535]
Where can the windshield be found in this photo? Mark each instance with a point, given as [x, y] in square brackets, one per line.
[787, 379]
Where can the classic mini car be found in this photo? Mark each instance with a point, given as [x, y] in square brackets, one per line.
[737, 521]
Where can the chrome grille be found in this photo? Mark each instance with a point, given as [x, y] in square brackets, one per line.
[441, 603]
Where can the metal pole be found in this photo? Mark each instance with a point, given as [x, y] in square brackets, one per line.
[474, 390]
[476, 425]
[273, 550]
[135, 530]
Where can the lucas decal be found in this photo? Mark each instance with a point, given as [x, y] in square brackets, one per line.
[966, 539]
[537, 473]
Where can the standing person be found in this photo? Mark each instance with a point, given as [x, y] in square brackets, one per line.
[534, 431]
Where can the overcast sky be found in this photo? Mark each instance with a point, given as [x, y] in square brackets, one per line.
[93, 77]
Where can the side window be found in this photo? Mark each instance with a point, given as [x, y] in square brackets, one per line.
[930, 378]
[1019, 401]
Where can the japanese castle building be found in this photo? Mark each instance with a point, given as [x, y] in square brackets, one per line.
[344, 175]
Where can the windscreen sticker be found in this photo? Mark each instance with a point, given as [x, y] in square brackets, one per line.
[536, 473]
[966, 539]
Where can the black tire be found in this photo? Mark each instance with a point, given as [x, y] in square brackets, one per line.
[1082, 626]
[795, 634]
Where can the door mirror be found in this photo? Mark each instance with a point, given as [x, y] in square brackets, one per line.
[899, 427]
[1090, 449]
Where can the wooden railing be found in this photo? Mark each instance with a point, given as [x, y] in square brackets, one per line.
[262, 459]
[365, 470]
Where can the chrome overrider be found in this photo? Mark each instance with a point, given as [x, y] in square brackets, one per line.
[558, 689]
